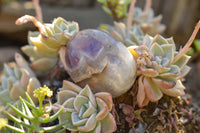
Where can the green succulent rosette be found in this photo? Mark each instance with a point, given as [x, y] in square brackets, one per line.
[147, 21]
[44, 46]
[85, 111]
[16, 81]
[131, 37]
[160, 70]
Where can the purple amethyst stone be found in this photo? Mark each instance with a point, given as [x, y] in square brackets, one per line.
[95, 58]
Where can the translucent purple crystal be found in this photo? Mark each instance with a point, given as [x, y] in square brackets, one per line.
[95, 58]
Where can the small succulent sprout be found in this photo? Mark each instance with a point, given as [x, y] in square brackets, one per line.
[30, 118]
[85, 111]
[147, 21]
[160, 69]
[95, 58]
[40, 60]
[17, 81]
[131, 37]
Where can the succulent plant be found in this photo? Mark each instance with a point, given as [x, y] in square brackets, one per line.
[131, 37]
[160, 68]
[93, 57]
[85, 111]
[17, 81]
[147, 21]
[39, 58]
[30, 117]
[116, 8]
[44, 45]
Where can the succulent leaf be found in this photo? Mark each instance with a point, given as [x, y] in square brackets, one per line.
[158, 71]
[131, 37]
[85, 111]
[17, 81]
[147, 21]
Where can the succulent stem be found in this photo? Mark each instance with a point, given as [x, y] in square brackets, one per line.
[188, 44]
[130, 14]
[26, 18]
[148, 5]
[38, 10]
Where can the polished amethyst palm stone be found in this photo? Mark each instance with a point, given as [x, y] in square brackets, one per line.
[95, 58]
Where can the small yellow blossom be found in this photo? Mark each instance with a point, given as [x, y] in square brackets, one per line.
[3, 122]
[42, 92]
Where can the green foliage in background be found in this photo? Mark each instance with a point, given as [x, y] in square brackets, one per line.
[116, 8]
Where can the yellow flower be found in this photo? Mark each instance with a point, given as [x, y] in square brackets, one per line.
[42, 92]
[3, 122]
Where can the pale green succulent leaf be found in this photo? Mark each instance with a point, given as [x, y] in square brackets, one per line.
[5, 97]
[90, 124]
[24, 78]
[69, 104]
[90, 110]
[173, 73]
[108, 124]
[141, 96]
[88, 93]
[168, 52]
[8, 71]
[67, 116]
[80, 101]
[159, 68]
[29, 51]
[177, 90]
[107, 98]
[102, 109]
[157, 50]
[67, 85]
[41, 64]
[77, 121]
[4, 83]
[159, 39]
[17, 91]
[41, 45]
[163, 83]
[182, 61]
[152, 90]
[65, 95]
[17, 72]
[149, 72]
[184, 71]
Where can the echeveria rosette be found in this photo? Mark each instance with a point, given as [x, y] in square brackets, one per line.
[95, 58]
[44, 45]
[40, 60]
[159, 69]
[131, 37]
[147, 21]
[85, 111]
[17, 81]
